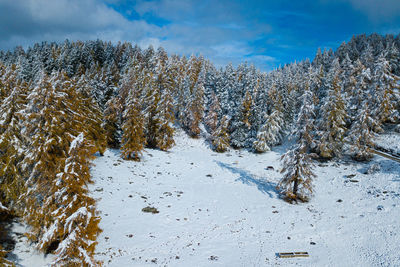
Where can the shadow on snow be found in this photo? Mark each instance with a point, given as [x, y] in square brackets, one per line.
[385, 167]
[246, 177]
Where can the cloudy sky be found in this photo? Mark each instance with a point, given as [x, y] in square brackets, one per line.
[267, 33]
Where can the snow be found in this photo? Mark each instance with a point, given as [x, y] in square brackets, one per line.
[24, 253]
[82, 212]
[389, 141]
[76, 142]
[223, 209]
[2, 208]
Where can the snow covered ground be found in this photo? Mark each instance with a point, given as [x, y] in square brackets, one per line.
[390, 142]
[24, 254]
[223, 210]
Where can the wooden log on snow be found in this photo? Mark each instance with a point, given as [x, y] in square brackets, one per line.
[293, 254]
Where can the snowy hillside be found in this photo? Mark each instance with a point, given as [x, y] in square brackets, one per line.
[223, 210]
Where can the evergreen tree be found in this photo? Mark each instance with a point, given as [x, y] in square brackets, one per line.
[211, 120]
[193, 96]
[386, 83]
[88, 113]
[48, 131]
[296, 183]
[269, 134]
[133, 138]
[220, 137]
[75, 221]
[241, 126]
[12, 145]
[3, 252]
[164, 138]
[158, 112]
[111, 123]
[332, 125]
[358, 79]
[361, 134]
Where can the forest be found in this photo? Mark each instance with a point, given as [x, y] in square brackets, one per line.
[62, 104]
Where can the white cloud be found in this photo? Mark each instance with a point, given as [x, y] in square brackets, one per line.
[231, 49]
[193, 28]
[56, 20]
[377, 11]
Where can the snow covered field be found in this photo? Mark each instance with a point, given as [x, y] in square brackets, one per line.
[390, 142]
[223, 210]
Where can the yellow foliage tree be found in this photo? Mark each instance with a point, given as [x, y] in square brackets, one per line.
[49, 125]
[133, 138]
[75, 222]
[11, 146]
[89, 115]
[220, 137]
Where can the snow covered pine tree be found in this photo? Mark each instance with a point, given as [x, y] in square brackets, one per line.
[296, 183]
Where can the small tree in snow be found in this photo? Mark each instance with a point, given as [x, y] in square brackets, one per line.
[296, 183]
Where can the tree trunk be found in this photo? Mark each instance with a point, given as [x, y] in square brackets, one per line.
[295, 187]
[296, 184]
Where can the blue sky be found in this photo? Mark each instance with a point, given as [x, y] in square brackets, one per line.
[266, 33]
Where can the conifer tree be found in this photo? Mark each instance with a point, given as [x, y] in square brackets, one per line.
[50, 130]
[332, 125]
[384, 92]
[111, 123]
[158, 112]
[220, 137]
[357, 79]
[269, 134]
[211, 120]
[3, 252]
[296, 183]
[11, 145]
[260, 145]
[75, 221]
[240, 128]
[88, 113]
[362, 133]
[133, 138]
[178, 70]
[164, 138]
[3, 92]
[193, 96]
